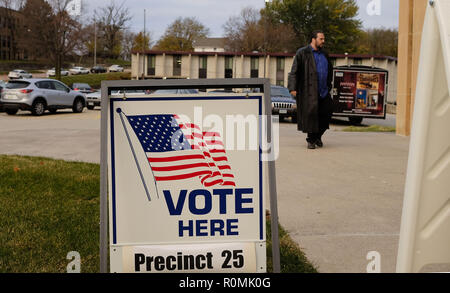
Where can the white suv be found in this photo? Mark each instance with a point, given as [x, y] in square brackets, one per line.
[19, 73]
[115, 68]
[38, 95]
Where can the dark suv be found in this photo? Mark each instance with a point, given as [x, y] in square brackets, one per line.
[283, 103]
[98, 69]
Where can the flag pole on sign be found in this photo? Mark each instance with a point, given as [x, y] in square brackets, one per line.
[119, 110]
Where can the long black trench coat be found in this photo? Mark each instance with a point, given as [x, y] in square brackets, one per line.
[303, 80]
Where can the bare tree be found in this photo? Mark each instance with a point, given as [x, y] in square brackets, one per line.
[36, 39]
[112, 20]
[181, 34]
[253, 30]
[66, 33]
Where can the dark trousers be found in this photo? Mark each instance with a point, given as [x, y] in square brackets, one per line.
[325, 112]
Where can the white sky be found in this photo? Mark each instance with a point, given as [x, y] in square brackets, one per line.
[214, 13]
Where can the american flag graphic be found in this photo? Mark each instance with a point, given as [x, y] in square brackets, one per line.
[179, 151]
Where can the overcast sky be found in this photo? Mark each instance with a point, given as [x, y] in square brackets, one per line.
[214, 13]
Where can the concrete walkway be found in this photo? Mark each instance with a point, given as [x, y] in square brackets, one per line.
[345, 200]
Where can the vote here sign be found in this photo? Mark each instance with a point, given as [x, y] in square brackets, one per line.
[186, 177]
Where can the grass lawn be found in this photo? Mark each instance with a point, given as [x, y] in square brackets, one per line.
[371, 128]
[51, 207]
[95, 80]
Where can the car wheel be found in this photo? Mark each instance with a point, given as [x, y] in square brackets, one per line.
[78, 105]
[354, 120]
[90, 107]
[38, 108]
[11, 111]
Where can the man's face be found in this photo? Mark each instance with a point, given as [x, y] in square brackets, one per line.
[320, 40]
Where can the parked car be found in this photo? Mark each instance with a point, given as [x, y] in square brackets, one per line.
[19, 73]
[283, 103]
[78, 70]
[115, 68]
[82, 87]
[52, 72]
[2, 86]
[93, 99]
[38, 95]
[98, 69]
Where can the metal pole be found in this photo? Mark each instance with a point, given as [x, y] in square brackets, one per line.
[265, 39]
[95, 43]
[144, 47]
[119, 110]
[104, 182]
[272, 185]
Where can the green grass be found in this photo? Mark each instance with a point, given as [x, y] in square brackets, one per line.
[292, 259]
[48, 208]
[371, 128]
[51, 207]
[95, 80]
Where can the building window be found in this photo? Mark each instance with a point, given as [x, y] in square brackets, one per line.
[151, 70]
[357, 61]
[280, 71]
[202, 66]
[254, 67]
[228, 66]
[176, 65]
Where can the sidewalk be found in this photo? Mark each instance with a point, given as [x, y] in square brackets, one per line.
[345, 200]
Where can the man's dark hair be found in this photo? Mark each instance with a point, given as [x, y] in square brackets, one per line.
[314, 34]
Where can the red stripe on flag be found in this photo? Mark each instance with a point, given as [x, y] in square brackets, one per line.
[224, 167]
[220, 159]
[229, 183]
[175, 158]
[215, 151]
[180, 177]
[180, 167]
[209, 184]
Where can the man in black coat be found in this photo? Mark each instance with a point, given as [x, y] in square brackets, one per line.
[310, 82]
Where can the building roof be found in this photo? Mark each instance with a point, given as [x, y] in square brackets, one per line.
[211, 42]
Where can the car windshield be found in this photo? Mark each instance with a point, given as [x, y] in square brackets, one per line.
[17, 84]
[81, 85]
[279, 91]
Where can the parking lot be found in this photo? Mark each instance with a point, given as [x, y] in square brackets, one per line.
[64, 135]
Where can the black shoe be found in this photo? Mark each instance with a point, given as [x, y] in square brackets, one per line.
[319, 143]
[311, 145]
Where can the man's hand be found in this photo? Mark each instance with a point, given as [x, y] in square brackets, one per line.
[294, 93]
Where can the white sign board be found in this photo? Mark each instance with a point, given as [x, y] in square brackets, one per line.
[186, 184]
[425, 229]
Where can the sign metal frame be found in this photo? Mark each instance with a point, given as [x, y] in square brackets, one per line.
[108, 86]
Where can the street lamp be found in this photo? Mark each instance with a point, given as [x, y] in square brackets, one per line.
[265, 37]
